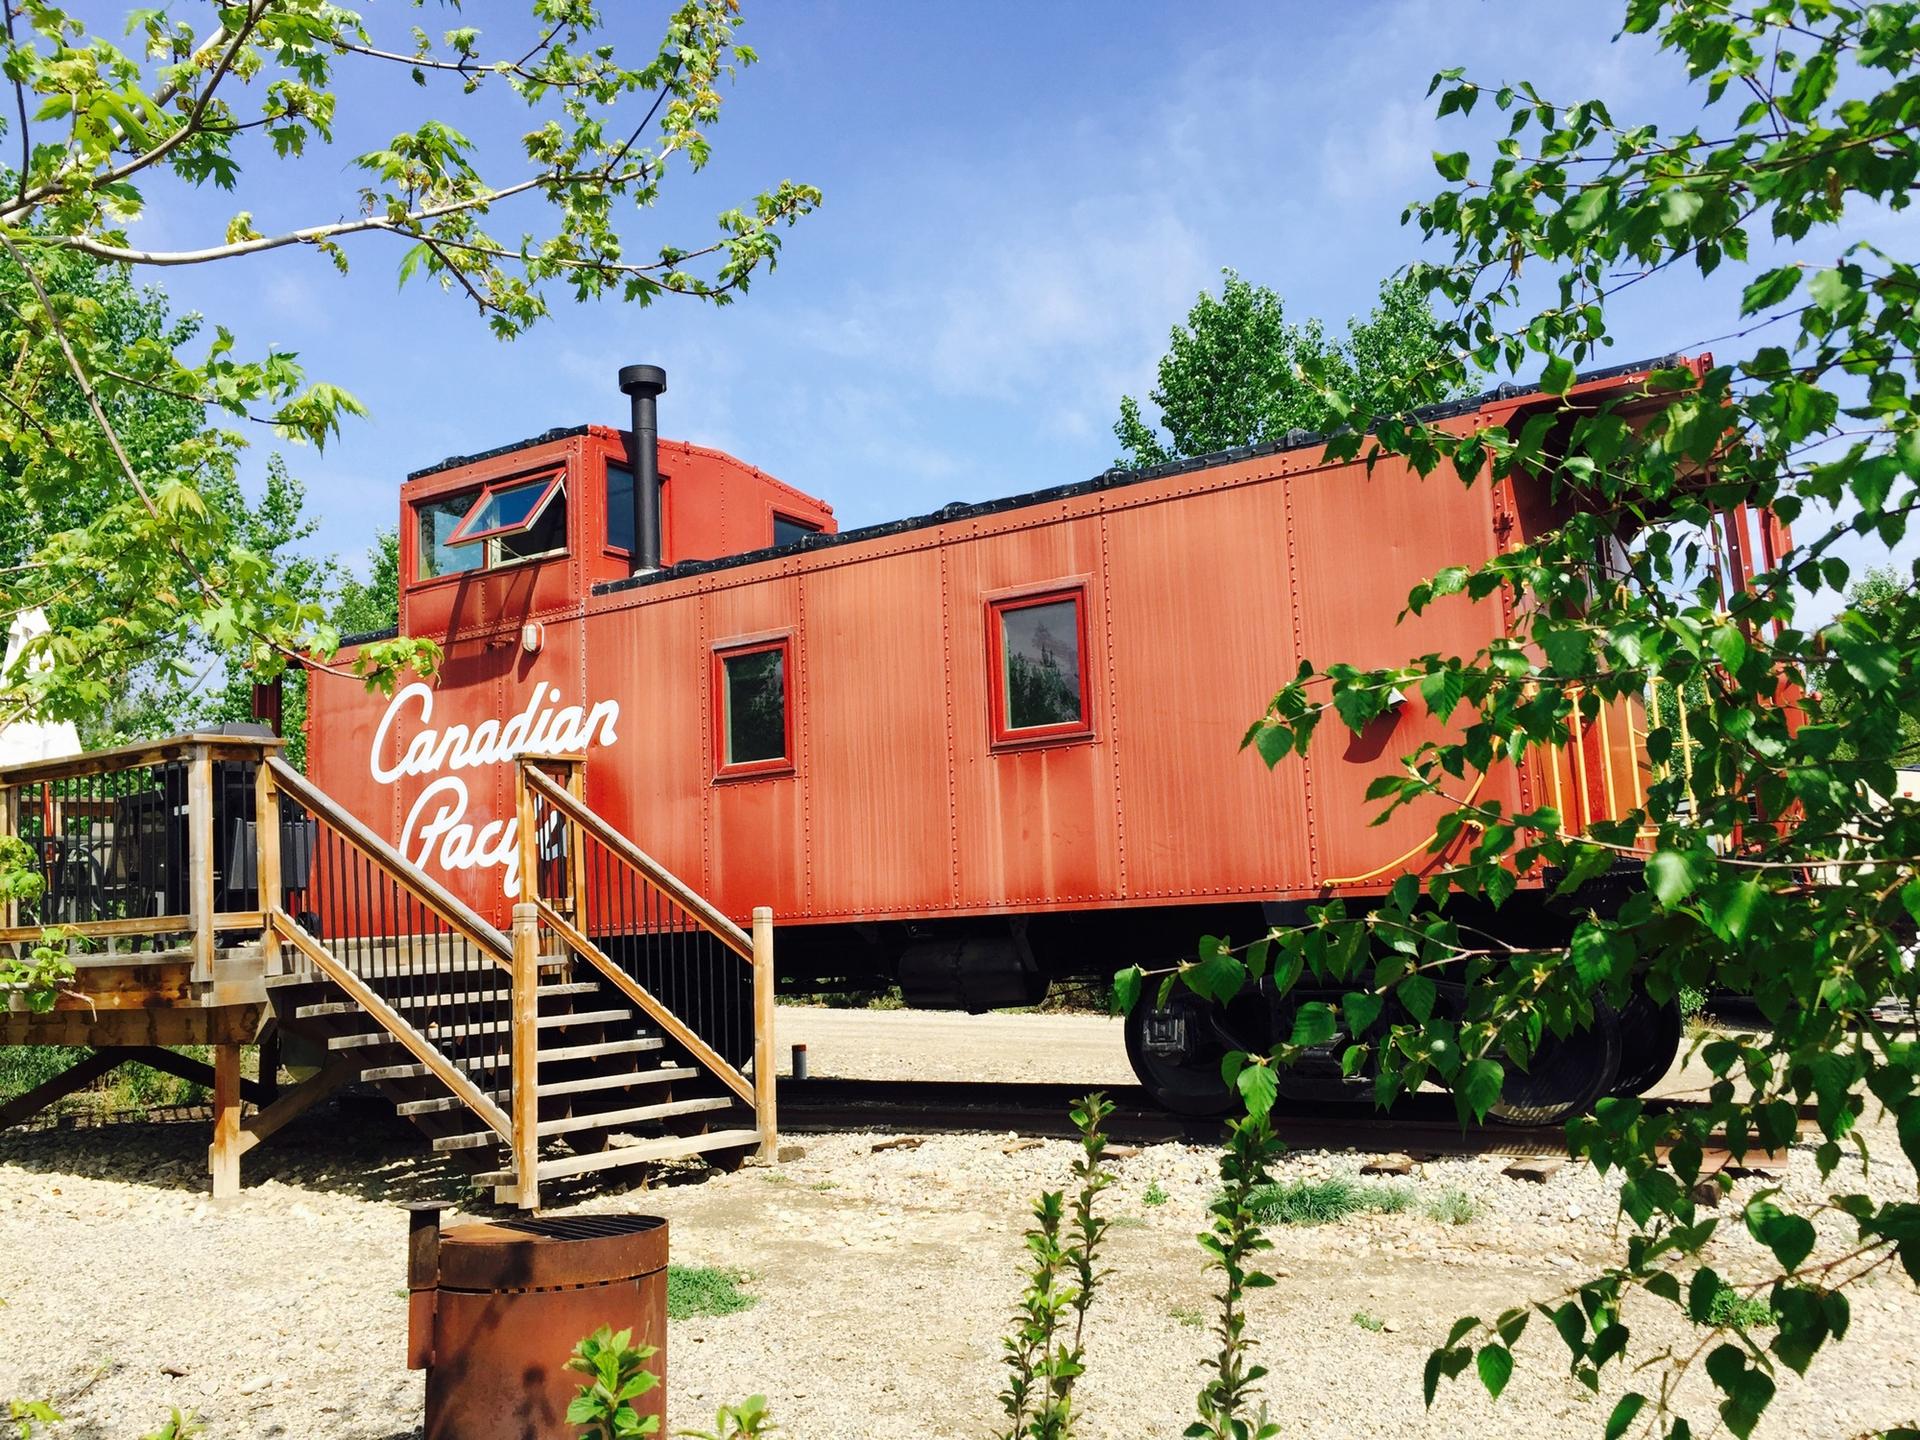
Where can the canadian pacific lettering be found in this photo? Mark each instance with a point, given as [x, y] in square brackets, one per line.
[442, 828]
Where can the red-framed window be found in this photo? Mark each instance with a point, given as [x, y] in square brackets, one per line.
[753, 708]
[1037, 654]
[500, 523]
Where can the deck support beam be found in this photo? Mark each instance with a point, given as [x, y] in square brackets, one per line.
[83, 1071]
[223, 1156]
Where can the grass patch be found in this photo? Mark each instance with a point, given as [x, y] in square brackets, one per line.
[1188, 1315]
[1742, 1312]
[1453, 1206]
[24, 1066]
[1156, 1194]
[825, 1185]
[1321, 1202]
[695, 1290]
[1126, 1222]
[1367, 1321]
[1392, 1199]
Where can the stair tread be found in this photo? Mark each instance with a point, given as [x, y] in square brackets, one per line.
[364, 1039]
[659, 1074]
[597, 1048]
[672, 1147]
[587, 1017]
[325, 1008]
[601, 1120]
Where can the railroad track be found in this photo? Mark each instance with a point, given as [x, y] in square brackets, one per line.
[1422, 1124]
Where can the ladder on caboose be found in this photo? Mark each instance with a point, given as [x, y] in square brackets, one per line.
[623, 1021]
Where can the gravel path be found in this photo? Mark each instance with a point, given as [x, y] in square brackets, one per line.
[882, 1276]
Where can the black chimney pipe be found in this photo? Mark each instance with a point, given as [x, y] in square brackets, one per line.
[642, 385]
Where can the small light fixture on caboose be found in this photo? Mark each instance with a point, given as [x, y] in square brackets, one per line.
[533, 635]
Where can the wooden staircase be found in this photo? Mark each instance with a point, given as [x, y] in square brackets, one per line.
[545, 1054]
[612, 1093]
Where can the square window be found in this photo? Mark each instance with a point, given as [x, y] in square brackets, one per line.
[1040, 680]
[752, 703]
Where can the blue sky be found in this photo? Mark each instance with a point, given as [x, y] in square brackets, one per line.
[1020, 200]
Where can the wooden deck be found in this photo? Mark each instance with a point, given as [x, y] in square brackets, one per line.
[202, 893]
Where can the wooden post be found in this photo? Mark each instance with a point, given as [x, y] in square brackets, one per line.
[763, 1044]
[200, 859]
[523, 820]
[223, 1156]
[10, 820]
[577, 845]
[526, 1052]
[266, 863]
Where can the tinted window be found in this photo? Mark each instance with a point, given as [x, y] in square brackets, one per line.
[1041, 645]
[437, 520]
[508, 508]
[543, 537]
[786, 529]
[619, 508]
[755, 701]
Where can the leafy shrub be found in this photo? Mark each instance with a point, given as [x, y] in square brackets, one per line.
[1156, 1194]
[696, 1290]
[1368, 1321]
[1742, 1312]
[1043, 1352]
[617, 1375]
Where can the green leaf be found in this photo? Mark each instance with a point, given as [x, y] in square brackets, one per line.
[1313, 1024]
[1625, 1409]
[1495, 1364]
[1789, 1237]
[1217, 974]
[1452, 165]
[1126, 989]
[1258, 1086]
[1596, 952]
[1479, 1085]
[1361, 1010]
[1417, 993]
[1557, 378]
[1670, 877]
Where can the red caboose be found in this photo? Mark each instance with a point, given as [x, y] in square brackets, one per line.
[972, 751]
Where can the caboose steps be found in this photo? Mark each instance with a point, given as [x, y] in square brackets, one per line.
[613, 1025]
[640, 1153]
[598, 1120]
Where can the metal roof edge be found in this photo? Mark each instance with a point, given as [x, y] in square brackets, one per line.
[1108, 479]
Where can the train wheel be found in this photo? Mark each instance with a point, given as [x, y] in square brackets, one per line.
[1567, 1074]
[1176, 1054]
[1649, 1040]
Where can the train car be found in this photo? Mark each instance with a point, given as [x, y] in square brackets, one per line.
[972, 752]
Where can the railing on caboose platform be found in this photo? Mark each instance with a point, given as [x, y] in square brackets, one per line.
[150, 853]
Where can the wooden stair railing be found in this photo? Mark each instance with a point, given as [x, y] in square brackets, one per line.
[403, 947]
[708, 984]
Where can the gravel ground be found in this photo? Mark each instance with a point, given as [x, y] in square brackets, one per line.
[882, 1276]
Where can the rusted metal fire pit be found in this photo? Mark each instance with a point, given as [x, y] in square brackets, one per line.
[495, 1308]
